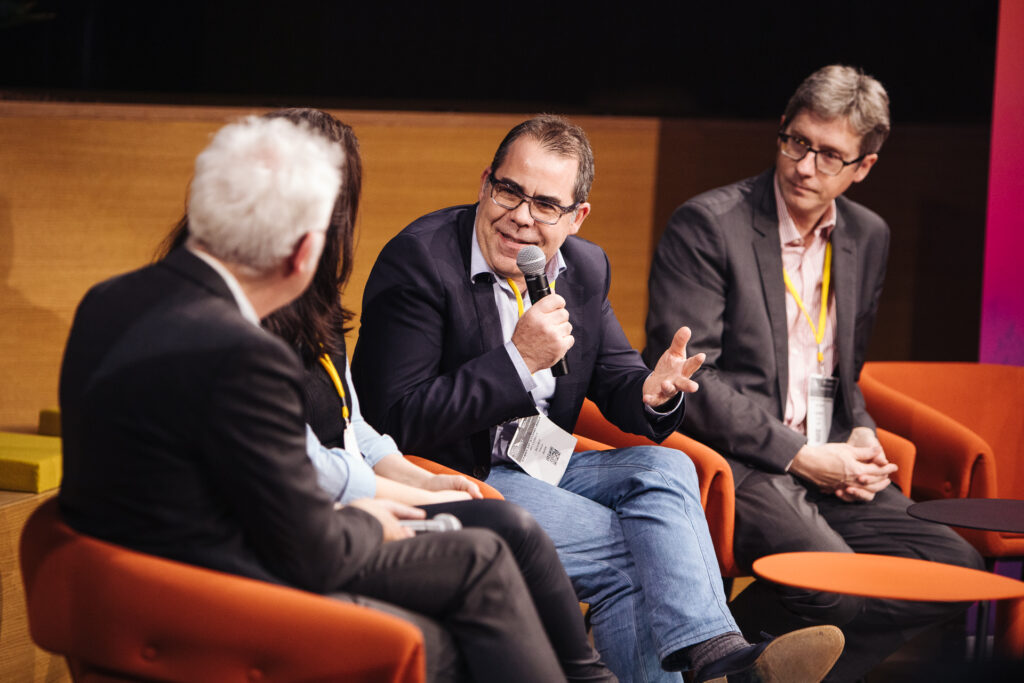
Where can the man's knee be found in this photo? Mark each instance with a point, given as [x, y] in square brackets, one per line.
[959, 552]
[514, 524]
[481, 544]
[672, 464]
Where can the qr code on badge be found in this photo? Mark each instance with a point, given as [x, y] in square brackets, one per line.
[552, 456]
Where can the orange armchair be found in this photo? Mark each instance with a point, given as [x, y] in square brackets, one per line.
[966, 420]
[717, 491]
[119, 615]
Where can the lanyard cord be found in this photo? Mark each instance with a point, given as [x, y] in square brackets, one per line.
[332, 372]
[826, 276]
[519, 296]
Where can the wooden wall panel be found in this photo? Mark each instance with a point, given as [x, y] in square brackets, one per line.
[89, 191]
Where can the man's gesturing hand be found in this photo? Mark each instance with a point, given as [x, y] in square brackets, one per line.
[543, 334]
[673, 371]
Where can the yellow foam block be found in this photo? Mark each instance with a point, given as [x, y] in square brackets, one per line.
[29, 462]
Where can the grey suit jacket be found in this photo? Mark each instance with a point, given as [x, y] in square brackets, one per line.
[718, 269]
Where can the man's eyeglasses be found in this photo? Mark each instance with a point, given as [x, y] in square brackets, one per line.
[829, 163]
[509, 197]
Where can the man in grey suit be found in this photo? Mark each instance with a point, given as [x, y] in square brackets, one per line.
[779, 278]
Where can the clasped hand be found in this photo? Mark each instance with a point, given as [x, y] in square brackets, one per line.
[852, 471]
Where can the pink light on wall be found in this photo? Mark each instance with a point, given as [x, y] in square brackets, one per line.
[1002, 304]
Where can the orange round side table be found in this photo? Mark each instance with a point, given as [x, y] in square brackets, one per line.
[882, 576]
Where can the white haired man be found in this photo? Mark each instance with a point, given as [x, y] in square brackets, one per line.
[184, 432]
[779, 277]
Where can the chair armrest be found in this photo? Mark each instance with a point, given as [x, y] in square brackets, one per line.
[903, 453]
[156, 619]
[487, 490]
[952, 461]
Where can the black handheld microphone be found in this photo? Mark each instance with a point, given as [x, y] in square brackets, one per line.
[441, 522]
[531, 261]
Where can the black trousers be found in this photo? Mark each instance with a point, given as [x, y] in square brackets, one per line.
[497, 595]
[468, 582]
[549, 587]
[777, 513]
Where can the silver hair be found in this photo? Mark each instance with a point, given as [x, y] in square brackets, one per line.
[259, 186]
[838, 91]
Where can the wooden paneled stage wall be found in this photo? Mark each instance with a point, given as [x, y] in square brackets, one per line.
[89, 190]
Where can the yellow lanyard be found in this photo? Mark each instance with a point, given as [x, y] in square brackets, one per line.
[819, 331]
[519, 297]
[332, 372]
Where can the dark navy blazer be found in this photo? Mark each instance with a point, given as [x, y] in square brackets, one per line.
[430, 365]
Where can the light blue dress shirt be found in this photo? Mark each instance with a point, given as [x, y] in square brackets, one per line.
[344, 475]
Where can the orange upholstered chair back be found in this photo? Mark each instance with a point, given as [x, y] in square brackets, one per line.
[120, 615]
[986, 399]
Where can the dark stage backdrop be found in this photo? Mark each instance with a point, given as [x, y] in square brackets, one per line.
[722, 59]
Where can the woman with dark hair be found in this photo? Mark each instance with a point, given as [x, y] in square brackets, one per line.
[357, 462]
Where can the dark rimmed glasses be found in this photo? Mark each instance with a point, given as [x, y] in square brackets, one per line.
[509, 197]
[826, 161]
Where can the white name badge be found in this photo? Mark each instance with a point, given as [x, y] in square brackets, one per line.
[821, 395]
[542, 448]
[351, 443]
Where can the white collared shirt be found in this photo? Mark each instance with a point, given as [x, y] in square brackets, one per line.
[540, 384]
[244, 305]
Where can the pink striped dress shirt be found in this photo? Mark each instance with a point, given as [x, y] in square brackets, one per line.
[804, 260]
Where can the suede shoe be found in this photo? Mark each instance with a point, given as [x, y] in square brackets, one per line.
[803, 656]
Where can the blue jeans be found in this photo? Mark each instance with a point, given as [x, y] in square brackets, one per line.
[631, 534]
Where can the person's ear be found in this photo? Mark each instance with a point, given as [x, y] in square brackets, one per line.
[306, 255]
[484, 179]
[579, 215]
[864, 167]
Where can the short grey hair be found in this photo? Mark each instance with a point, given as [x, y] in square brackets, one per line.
[259, 186]
[558, 135]
[838, 91]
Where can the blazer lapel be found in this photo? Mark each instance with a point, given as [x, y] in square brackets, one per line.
[768, 252]
[482, 291]
[844, 273]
